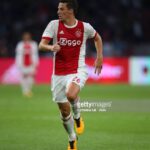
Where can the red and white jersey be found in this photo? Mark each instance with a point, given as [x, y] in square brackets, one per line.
[27, 54]
[72, 40]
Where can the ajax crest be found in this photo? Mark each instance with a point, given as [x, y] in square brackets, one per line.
[78, 33]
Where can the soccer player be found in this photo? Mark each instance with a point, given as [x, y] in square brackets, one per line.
[69, 37]
[27, 61]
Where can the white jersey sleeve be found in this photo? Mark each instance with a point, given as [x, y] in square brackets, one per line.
[89, 31]
[50, 29]
[35, 56]
[19, 55]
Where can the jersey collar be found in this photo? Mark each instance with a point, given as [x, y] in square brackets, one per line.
[72, 26]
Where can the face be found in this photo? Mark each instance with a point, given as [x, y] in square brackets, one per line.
[63, 12]
[26, 36]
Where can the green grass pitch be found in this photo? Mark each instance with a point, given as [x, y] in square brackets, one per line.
[34, 124]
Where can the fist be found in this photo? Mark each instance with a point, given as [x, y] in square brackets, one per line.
[55, 48]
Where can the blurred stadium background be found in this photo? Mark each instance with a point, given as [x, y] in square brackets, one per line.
[34, 123]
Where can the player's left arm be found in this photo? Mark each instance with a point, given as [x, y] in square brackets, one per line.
[35, 55]
[99, 58]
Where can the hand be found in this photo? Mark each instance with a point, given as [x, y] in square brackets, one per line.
[98, 65]
[55, 48]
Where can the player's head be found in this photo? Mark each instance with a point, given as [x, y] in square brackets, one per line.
[26, 36]
[67, 8]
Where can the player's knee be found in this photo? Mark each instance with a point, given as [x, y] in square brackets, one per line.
[66, 118]
[65, 113]
[70, 96]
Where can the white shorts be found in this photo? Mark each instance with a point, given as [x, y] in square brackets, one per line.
[27, 70]
[60, 84]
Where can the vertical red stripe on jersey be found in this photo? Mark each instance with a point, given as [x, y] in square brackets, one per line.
[27, 54]
[70, 40]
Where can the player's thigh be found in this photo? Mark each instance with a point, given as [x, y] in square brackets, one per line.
[75, 83]
[72, 91]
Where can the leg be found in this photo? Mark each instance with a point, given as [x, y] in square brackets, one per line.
[58, 88]
[26, 81]
[67, 119]
[72, 95]
[72, 91]
[24, 85]
[30, 80]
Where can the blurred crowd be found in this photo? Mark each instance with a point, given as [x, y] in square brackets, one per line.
[123, 24]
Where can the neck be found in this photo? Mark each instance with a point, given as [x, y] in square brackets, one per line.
[70, 21]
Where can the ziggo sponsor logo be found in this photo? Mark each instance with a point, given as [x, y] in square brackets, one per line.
[65, 41]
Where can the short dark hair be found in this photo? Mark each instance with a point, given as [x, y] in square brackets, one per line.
[71, 4]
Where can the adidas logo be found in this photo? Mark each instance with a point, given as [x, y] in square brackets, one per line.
[61, 32]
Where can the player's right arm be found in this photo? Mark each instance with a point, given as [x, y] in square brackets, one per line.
[49, 34]
[19, 55]
[44, 45]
